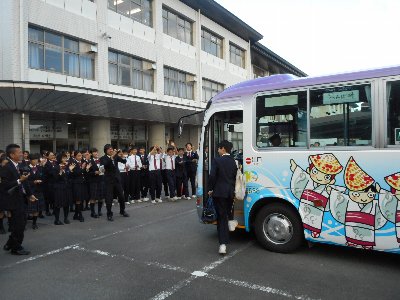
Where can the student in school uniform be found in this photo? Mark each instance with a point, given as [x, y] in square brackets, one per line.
[144, 174]
[164, 177]
[123, 169]
[86, 156]
[35, 182]
[191, 166]
[79, 189]
[48, 190]
[25, 158]
[62, 188]
[134, 164]
[155, 158]
[170, 167]
[181, 175]
[95, 183]
[112, 180]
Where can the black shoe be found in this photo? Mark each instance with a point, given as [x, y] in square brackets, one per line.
[6, 247]
[81, 219]
[34, 227]
[20, 252]
[124, 214]
[94, 216]
[66, 221]
[48, 213]
[41, 216]
[76, 217]
[2, 231]
[58, 222]
[99, 214]
[110, 218]
[87, 208]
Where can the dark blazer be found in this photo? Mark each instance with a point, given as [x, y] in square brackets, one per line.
[191, 166]
[13, 196]
[180, 170]
[36, 189]
[145, 161]
[78, 174]
[111, 172]
[222, 177]
[92, 177]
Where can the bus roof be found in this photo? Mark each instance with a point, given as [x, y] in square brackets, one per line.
[283, 81]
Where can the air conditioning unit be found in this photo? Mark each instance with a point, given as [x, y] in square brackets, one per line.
[192, 78]
[92, 49]
[149, 65]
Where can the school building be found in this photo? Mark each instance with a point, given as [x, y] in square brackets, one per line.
[83, 73]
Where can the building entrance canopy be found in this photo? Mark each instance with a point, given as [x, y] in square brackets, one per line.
[31, 97]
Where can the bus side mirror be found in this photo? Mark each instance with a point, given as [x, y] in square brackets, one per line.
[231, 128]
[180, 127]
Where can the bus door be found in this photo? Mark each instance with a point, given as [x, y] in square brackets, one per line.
[227, 125]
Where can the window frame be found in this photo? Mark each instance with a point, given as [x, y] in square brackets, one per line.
[178, 82]
[179, 17]
[131, 58]
[143, 10]
[384, 111]
[210, 89]
[374, 111]
[243, 58]
[218, 37]
[63, 50]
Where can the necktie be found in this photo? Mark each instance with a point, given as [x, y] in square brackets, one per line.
[155, 164]
[172, 164]
[135, 162]
[34, 169]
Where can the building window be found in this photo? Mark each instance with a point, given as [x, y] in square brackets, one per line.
[130, 71]
[57, 53]
[281, 120]
[178, 84]
[210, 89]
[211, 43]
[237, 55]
[177, 27]
[393, 112]
[138, 10]
[341, 116]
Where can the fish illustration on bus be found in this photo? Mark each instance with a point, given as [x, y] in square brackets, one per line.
[357, 207]
[310, 187]
[389, 202]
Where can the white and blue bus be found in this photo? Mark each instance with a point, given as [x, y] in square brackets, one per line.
[321, 157]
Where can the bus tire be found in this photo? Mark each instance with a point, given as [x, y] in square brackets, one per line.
[278, 228]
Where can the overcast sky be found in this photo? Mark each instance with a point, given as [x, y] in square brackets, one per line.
[326, 36]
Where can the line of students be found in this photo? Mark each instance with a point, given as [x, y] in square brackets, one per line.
[78, 180]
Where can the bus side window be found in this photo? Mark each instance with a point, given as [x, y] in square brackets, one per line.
[393, 110]
[341, 116]
[281, 120]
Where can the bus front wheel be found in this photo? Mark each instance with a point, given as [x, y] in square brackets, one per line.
[278, 228]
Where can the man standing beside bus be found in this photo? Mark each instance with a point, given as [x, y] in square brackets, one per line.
[222, 188]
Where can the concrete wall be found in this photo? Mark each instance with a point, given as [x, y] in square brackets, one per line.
[11, 130]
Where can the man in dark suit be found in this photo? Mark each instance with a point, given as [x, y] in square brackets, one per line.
[222, 188]
[14, 194]
[112, 180]
[191, 159]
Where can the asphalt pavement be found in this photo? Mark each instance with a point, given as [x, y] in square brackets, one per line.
[162, 251]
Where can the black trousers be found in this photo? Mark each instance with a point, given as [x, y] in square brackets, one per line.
[110, 187]
[191, 176]
[223, 206]
[155, 184]
[17, 225]
[144, 183]
[125, 185]
[165, 181]
[171, 182]
[134, 184]
[182, 186]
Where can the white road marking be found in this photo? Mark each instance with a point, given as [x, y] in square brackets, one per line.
[52, 252]
[199, 274]
[261, 288]
[32, 258]
[99, 252]
[181, 284]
